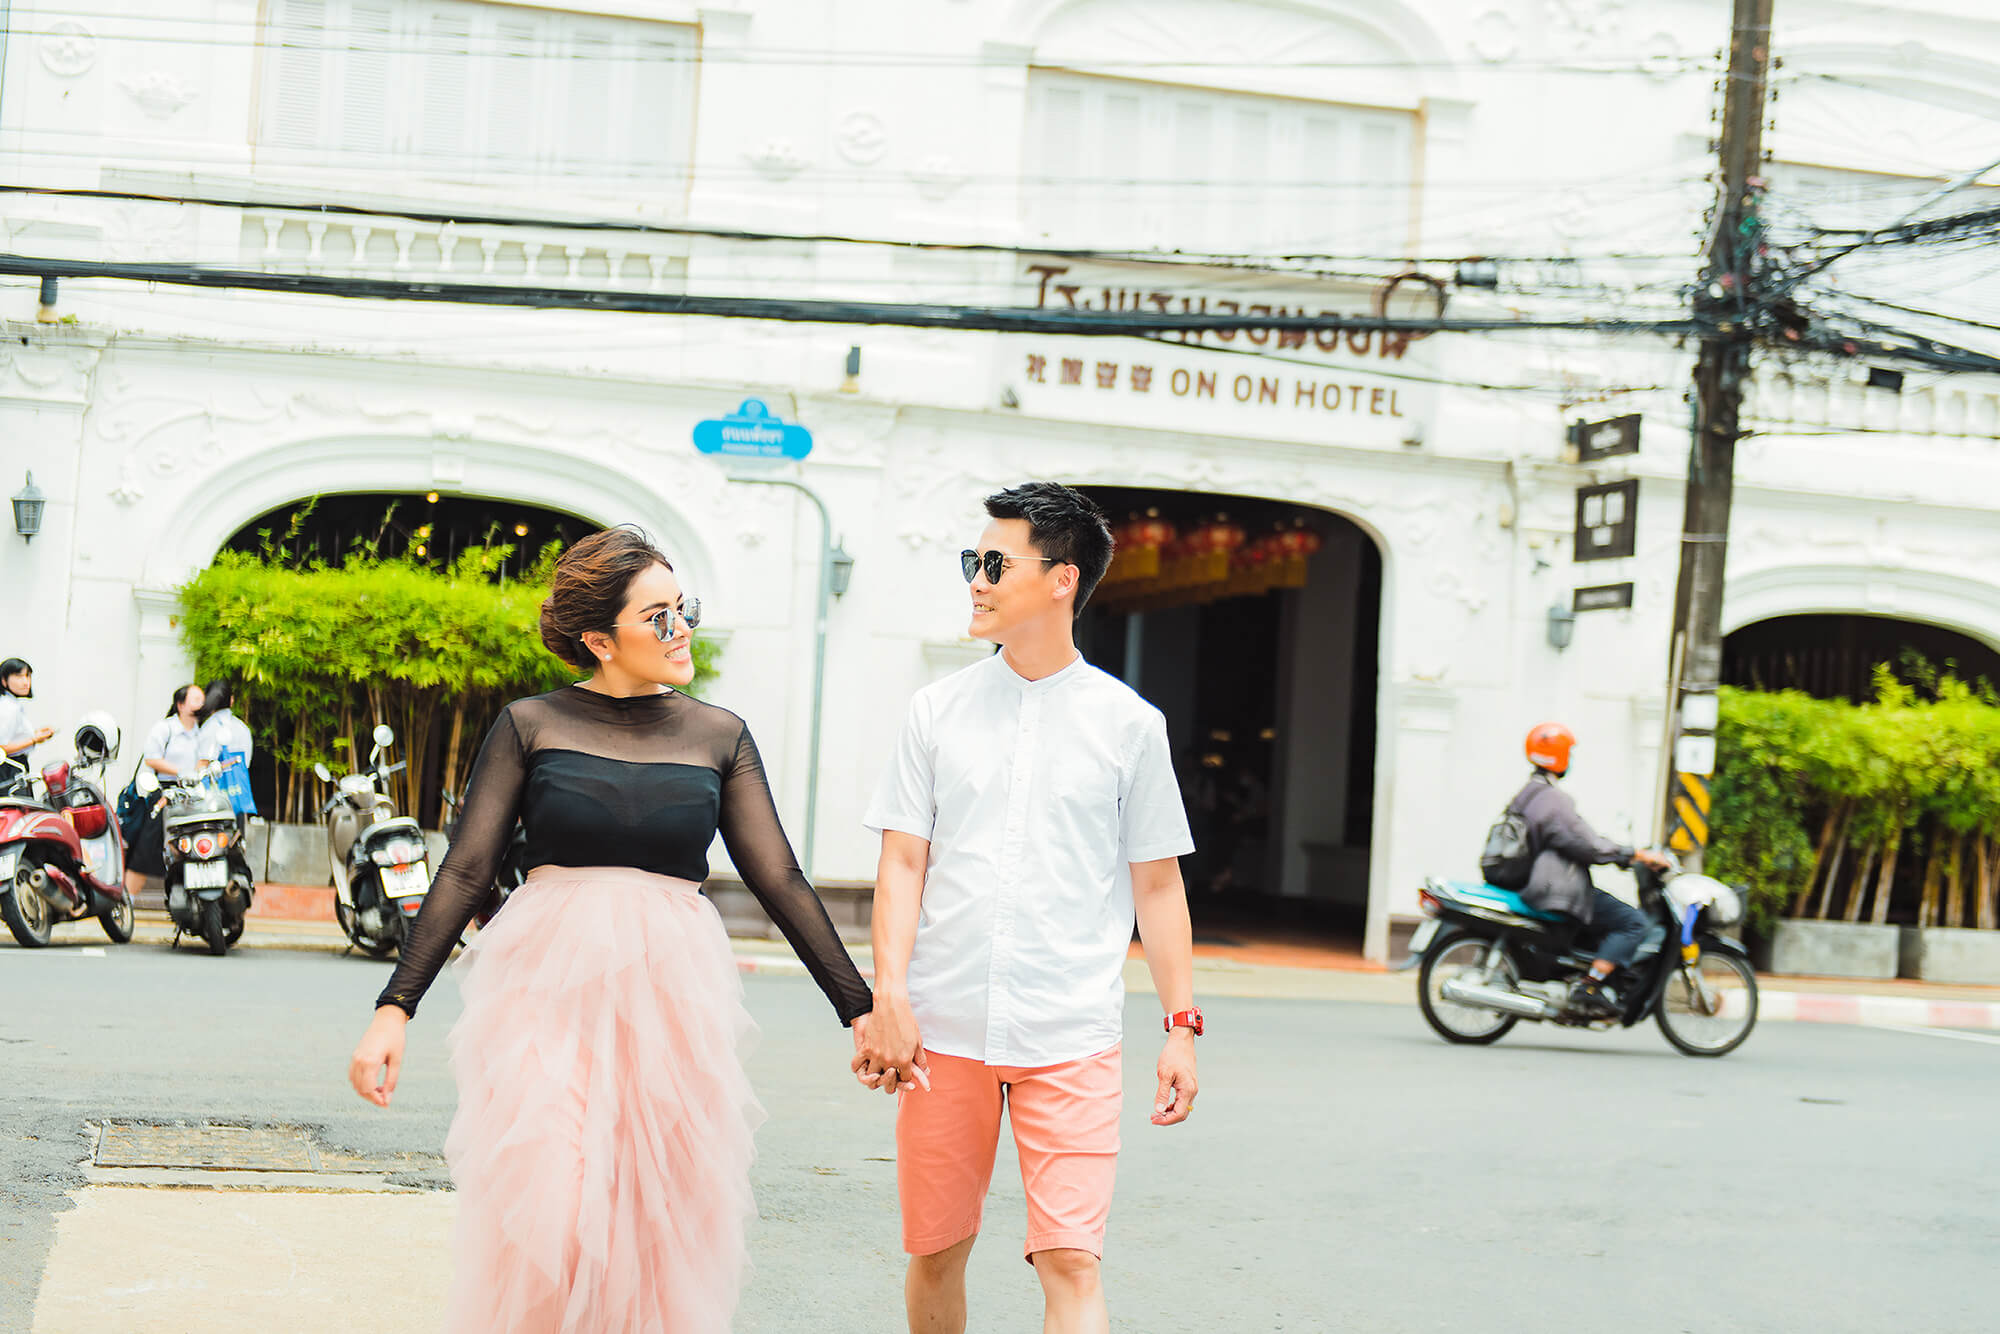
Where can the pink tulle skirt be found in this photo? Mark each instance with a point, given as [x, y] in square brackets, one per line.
[602, 1143]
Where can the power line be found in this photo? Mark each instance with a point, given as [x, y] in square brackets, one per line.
[999, 319]
[464, 218]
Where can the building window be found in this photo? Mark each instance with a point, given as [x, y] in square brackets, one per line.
[1132, 165]
[438, 88]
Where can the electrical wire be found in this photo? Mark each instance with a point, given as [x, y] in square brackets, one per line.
[1003, 319]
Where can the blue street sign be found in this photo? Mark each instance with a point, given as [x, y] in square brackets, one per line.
[752, 432]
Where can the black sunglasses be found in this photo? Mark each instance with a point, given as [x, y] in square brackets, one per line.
[970, 561]
[663, 621]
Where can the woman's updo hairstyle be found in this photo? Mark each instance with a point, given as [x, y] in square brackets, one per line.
[588, 591]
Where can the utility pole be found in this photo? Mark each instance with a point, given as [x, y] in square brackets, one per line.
[1729, 291]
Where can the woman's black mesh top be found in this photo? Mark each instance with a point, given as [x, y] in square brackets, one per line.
[644, 781]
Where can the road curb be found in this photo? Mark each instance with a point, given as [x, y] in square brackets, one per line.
[1807, 1007]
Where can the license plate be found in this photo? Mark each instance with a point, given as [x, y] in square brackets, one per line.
[205, 875]
[402, 882]
[9, 859]
[1420, 939]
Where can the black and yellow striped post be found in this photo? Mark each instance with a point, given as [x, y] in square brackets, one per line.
[1689, 828]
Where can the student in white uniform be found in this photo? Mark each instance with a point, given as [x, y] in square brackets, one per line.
[173, 748]
[226, 740]
[18, 736]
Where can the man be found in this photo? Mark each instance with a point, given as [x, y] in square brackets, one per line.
[1565, 850]
[1029, 818]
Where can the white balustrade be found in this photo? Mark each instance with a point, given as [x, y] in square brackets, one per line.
[284, 241]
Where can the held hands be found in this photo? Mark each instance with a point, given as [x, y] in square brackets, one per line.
[888, 1051]
[1175, 1099]
[379, 1058]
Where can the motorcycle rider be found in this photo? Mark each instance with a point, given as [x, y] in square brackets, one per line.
[1565, 850]
[18, 736]
[173, 748]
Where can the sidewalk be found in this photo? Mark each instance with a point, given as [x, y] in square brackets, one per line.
[1273, 970]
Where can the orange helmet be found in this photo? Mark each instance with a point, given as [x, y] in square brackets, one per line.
[1549, 746]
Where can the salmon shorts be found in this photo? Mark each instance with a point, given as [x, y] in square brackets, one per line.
[1065, 1123]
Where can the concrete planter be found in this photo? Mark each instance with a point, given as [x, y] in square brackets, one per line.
[1835, 949]
[1951, 954]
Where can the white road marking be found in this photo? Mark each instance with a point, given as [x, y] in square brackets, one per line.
[1992, 1039]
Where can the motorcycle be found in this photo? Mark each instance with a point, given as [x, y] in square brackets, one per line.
[205, 868]
[1489, 961]
[380, 864]
[61, 857]
[511, 874]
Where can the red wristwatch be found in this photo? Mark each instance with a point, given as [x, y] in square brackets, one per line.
[1190, 1019]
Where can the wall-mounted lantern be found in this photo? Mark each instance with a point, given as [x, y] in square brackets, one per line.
[841, 573]
[28, 505]
[1562, 626]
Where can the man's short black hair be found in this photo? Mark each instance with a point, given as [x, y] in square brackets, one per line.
[1064, 524]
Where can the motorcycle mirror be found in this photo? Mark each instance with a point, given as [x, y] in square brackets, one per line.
[385, 735]
[324, 774]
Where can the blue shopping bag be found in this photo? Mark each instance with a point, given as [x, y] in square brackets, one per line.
[235, 781]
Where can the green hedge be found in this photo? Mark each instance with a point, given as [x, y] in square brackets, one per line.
[321, 654]
[1878, 812]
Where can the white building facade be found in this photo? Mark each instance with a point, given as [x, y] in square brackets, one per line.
[1167, 155]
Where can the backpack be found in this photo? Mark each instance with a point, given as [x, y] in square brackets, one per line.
[1509, 855]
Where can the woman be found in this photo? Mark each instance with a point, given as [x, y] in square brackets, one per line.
[602, 1142]
[226, 740]
[18, 736]
[173, 748]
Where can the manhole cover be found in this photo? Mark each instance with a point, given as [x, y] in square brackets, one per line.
[242, 1149]
[239, 1148]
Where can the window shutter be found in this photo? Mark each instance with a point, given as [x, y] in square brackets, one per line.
[296, 54]
[444, 91]
[366, 85]
[509, 77]
[656, 125]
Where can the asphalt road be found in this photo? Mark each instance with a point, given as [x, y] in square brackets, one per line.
[1344, 1170]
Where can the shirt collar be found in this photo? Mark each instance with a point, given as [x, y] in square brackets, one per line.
[1025, 686]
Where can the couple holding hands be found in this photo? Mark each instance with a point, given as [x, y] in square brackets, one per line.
[1030, 817]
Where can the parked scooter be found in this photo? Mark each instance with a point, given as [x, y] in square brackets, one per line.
[1490, 961]
[511, 874]
[61, 857]
[205, 867]
[380, 865]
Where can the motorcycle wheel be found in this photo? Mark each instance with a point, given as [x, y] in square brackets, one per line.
[367, 944]
[28, 916]
[1700, 1011]
[118, 920]
[1450, 954]
[212, 929]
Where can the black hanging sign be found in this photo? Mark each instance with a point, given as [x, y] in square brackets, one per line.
[1607, 520]
[1603, 597]
[1602, 440]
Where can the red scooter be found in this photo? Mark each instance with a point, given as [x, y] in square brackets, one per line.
[61, 857]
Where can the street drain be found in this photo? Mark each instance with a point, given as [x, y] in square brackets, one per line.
[127, 1145]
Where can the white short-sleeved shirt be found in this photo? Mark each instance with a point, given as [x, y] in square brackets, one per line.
[14, 725]
[1036, 797]
[177, 745]
[225, 731]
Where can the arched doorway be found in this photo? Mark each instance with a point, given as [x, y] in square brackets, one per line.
[1834, 656]
[1254, 626]
[431, 526]
[430, 531]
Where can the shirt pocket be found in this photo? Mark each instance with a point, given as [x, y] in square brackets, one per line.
[1081, 807]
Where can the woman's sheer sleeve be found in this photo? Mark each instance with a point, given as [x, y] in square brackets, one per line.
[763, 857]
[492, 802]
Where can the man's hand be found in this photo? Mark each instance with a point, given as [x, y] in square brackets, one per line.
[1175, 1099]
[1647, 857]
[890, 1053]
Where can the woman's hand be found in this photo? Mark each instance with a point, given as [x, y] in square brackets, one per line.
[379, 1058]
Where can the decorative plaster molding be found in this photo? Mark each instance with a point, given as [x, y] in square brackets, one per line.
[69, 49]
[160, 94]
[777, 160]
[935, 178]
[861, 138]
